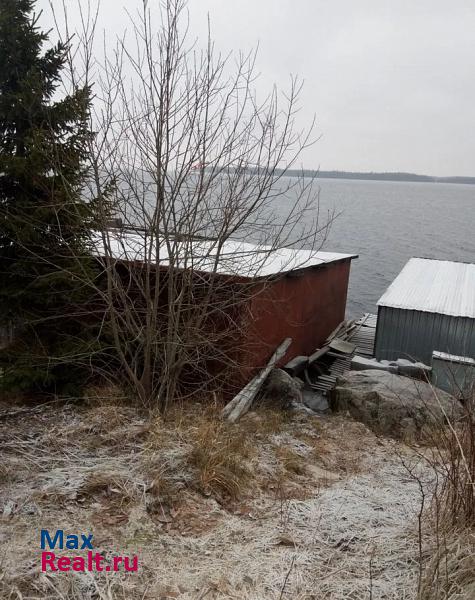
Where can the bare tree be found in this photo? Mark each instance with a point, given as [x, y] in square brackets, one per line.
[192, 164]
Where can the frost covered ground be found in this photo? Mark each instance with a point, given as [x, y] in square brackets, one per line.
[276, 508]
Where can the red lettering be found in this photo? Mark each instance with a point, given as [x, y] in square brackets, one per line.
[64, 563]
[135, 564]
[98, 558]
[48, 558]
[117, 561]
[78, 563]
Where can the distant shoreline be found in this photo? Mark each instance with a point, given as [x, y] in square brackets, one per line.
[370, 176]
[411, 177]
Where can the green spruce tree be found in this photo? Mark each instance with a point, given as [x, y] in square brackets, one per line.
[44, 221]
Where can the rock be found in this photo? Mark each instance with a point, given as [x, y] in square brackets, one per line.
[361, 363]
[315, 401]
[391, 404]
[400, 367]
[299, 407]
[300, 383]
[281, 390]
[413, 369]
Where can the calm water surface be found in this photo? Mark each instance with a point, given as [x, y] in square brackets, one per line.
[386, 223]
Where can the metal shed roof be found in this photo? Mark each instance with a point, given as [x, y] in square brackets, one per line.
[235, 258]
[436, 286]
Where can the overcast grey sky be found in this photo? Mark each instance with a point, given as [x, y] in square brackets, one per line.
[391, 82]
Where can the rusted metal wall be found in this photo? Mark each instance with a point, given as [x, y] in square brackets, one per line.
[306, 306]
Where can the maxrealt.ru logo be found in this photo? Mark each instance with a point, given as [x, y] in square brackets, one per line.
[89, 560]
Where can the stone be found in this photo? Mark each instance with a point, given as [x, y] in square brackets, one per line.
[400, 367]
[392, 404]
[281, 390]
[361, 363]
[315, 401]
[299, 407]
[413, 369]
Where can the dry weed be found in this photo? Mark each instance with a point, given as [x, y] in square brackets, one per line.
[116, 487]
[7, 473]
[70, 586]
[104, 394]
[450, 451]
[192, 444]
[450, 573]
[220, 454]
[291, 460]
[264, 422]
[151, 495]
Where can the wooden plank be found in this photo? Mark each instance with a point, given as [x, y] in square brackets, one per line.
[296, 365]
[318, 354]
[336, 331]
[241, 403]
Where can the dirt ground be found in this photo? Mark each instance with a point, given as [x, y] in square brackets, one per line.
[276, 507]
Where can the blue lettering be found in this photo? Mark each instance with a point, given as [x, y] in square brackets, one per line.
[72, 542]
[46, 539]
[86, 541]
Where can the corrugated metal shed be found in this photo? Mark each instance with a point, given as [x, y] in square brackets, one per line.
[429, 306]
[454, 374]
[437, 286]
[235, 257]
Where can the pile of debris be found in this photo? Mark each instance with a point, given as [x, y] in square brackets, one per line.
[350, 341]
[305, 381]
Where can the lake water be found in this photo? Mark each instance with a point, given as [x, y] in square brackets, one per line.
[386, 223]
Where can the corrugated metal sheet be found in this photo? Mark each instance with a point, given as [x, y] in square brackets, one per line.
[454, 374]
[463, 360]
[435, 286]
[416, 334]
[235, 257]
[363, 335]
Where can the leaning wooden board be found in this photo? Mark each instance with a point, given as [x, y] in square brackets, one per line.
[241, 403]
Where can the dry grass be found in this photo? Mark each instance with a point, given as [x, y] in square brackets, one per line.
[106, 394]
[221, 455]
[66, 586]
[458, 490]
[213, 510]
[291, 460]
[7, 473]
[215, 455]
[264, 422]
[450, 572]
[447, 513]
[449, 449]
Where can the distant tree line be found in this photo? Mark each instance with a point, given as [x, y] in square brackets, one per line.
[379, 176]
[372, 176]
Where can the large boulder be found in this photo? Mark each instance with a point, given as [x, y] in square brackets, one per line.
[392, 404]
[281, 390]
